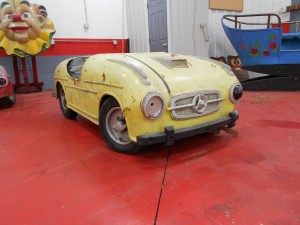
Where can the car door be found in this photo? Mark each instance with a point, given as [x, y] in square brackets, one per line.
[72, 85]
[88, 94]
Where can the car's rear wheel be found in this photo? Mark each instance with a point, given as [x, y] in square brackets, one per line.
[68, 113]
[113, 128]
[10, 100]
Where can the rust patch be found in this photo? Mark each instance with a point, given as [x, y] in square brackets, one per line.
[103, 77]
[259, 100]
[133, 99]
[125, 111]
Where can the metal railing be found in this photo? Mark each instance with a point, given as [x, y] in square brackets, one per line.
[238, 23]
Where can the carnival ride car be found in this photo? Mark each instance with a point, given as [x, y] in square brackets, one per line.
[265, 50]
[7, 94]
[148, 98]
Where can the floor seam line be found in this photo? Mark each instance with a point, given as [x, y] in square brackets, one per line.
[162, 186]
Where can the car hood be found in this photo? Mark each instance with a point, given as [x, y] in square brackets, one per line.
[179, 74]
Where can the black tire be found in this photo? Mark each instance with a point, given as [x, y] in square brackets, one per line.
[10, 100]
[112, 126]
[68, 113]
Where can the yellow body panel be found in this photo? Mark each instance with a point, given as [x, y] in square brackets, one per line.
[103, 75]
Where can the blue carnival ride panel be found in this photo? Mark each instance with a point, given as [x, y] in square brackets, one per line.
[267, 46]
[256, 46]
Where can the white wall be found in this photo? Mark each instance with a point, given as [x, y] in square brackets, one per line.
[138, 29]
[219, 43]
[106, 18]
[185, 35]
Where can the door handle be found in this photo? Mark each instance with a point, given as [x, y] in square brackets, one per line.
[165, 45]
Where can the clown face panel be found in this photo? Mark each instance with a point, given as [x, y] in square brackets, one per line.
[25, 28]
[20, 22]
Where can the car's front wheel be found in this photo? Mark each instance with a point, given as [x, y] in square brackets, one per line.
[113, 128]
[68, 113]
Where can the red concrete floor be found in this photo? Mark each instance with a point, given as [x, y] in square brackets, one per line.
[56, 171]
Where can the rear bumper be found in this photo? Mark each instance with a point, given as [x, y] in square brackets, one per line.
[169, 136]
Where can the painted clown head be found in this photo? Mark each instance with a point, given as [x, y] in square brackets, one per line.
[25, 28]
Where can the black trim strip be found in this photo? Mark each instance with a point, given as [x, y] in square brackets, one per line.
[162, 79]
[170, 135]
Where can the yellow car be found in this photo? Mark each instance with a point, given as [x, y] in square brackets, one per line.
[148, 98]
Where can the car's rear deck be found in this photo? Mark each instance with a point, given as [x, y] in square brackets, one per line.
[56, 171]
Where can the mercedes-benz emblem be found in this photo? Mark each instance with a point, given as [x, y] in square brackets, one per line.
[199, 104]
